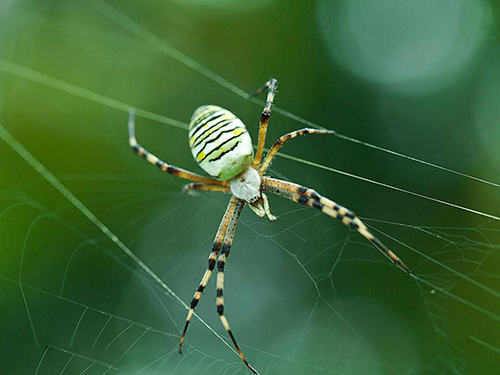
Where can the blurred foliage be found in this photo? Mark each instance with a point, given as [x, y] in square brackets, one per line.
[305, 295]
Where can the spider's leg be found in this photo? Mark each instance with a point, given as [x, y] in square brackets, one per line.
[309, 197]
[199, 186]
[164, 167]
[277, 145]
[271, 85]
[267, 209]
[260, 90]
[221, 261]
[258, 210]
[219, 237]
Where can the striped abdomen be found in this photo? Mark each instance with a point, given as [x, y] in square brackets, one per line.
[219, 142]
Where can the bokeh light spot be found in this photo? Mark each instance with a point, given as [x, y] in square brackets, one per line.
[412, 46]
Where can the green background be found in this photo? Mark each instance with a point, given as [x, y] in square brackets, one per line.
[305, 295]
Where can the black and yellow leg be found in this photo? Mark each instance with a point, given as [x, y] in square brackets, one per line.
[164, 167]
[199, 186]
[271, 86]
[221, 262]
[277, 145]
[260, 90]
[231, 210]
[309, 197]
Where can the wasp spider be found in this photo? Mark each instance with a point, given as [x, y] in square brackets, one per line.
[222, 146]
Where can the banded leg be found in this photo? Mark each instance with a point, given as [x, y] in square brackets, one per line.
[277, 145]
[221, 261]
[164, 167]
[260, 90]
[221, 233]
[271, 85]
[198, 186]
[309, 197]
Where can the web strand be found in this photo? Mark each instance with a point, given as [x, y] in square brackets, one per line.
[47, 175]
[340, 328]
[162, 46]
[17, 70]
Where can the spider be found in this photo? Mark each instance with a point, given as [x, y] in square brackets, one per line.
[222, 147]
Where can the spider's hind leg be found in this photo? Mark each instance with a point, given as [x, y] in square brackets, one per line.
[231, 210]
[221, 262]
[309, 197]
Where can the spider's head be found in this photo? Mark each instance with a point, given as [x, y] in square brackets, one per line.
[246, 186]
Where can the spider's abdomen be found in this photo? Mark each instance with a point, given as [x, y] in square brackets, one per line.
[219, 142]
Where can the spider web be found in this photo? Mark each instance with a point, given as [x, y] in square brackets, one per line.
[100, 256]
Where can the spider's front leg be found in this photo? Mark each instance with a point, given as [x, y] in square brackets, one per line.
[271, 86]
[281, 140]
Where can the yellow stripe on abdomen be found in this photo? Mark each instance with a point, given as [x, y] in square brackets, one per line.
[219, 142]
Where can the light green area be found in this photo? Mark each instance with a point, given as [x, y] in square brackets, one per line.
[236, 168]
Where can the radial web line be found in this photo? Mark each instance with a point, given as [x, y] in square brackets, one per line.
[485, 344]
[320, 296]
[164, 47]
[31, 160]
[46, 80]
[110, 315]
[458, 298]
[338, 171]
[442, 265]
[158, 43]
[55, 83]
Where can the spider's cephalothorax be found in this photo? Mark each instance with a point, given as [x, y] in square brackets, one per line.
[222, 146]
[246, 186]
